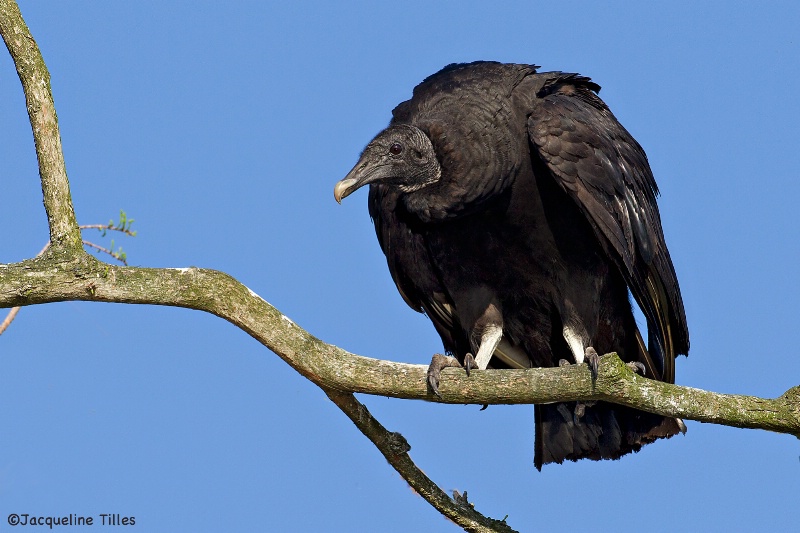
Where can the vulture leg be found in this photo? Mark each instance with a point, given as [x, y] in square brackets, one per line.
[489, 325]
[438, 363]
[577, 337]
[592, 359]
[490, 338]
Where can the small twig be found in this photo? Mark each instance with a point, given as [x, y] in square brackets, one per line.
[99, 248]
[109, 226]
[12, 314]
[394, 448]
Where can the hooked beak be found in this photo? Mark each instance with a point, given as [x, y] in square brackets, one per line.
[344, 188]
[362, 174]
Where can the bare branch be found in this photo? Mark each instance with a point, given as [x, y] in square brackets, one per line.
[45, 280]
[394, 448]
[35, 80]
[12, 314]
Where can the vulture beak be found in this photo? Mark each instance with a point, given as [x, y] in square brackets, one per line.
[344, 188]
[362, 174]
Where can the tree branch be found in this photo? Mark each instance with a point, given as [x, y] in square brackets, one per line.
[85, 278]
[35, 80]
[122, 227]
[394, 448]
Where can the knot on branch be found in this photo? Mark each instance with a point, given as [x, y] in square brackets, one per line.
[462, 499]
[612, 374]
[397, 443]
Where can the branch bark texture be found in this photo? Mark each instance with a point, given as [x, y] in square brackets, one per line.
[35, 79]
[85, 278]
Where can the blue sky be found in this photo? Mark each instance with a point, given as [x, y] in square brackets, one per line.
[221, 129]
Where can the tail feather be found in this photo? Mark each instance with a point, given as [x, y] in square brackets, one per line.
[605, 431]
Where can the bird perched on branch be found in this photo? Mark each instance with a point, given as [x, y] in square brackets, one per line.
[517, 213]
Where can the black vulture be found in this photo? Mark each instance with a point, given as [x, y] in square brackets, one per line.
[518, 214]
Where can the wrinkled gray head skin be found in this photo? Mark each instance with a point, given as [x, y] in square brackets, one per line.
[402, 156]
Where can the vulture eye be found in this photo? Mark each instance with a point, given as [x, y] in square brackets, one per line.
[395, 149]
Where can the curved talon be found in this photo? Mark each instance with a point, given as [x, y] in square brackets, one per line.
[433, 382]
[438, 362]
[563, 362]
[592, 359]
[637, 367]
[469, 363]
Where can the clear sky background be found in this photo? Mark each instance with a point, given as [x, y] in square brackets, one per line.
[221, 128]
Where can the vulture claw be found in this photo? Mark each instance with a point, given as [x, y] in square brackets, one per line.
[592, 359]
[438, 362]
[469, 363]
[637, 367]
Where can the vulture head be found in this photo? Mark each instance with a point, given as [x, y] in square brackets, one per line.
[401, 156]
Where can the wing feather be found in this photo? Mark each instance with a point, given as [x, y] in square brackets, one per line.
[599, 164]
[410, 264]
